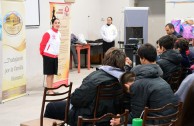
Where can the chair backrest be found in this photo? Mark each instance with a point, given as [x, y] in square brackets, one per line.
[175, 80]
[63, 95]
[59, 124]
[107, 92]
[124, 116]
[174, 122]
[185, 71]
[170, 117]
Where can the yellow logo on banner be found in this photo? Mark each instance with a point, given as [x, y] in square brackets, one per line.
[12, 23]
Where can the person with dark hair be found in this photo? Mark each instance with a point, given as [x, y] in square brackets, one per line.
[187, 115]
[108, 33]
[53, 13]
[159, 52]
[169, 28]
[170, 60]
[126, 80]
[183, 45]
[49, 49]
[83, 98]
[149, 89]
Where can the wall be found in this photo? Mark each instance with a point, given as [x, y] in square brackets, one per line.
[86, 19]
[156, 19]
[175, 11]
[34, 36]
[81, 23]
[115, 9]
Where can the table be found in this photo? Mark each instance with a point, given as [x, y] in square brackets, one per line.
[80, 47]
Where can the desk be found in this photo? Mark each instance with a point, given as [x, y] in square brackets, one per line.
[80, 47]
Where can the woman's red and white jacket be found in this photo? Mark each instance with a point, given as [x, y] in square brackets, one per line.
[50, 43]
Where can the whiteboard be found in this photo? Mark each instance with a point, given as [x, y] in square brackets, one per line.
[32, 12]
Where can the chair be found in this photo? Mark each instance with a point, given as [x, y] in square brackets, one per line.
[175, 80]
[81, 120]
[174, 122]
[185, 71]
[65, 95]
[170, 117]
[107, 92]
[80, 47]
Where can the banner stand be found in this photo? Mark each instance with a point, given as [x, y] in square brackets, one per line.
[13, 50]
[62, 12]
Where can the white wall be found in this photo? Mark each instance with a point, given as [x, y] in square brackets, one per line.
[156, 19]
[80, 23]
[86, 19]
[179, 11]
[90, 26]
[34, 36]
[115, 9]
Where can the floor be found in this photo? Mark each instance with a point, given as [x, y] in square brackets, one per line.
[28, 107]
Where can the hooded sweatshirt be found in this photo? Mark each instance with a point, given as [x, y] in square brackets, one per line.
[150, 90]
[169, 62]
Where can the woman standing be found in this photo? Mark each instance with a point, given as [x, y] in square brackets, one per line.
[49, 49]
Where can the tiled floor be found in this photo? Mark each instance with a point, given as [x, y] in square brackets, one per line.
[28, 107]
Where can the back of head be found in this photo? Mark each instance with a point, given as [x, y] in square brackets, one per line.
[182, 44]
[173, 37]
[166, 42]
[188, 109]
[148, 52]
[115, 58]
[127, 77]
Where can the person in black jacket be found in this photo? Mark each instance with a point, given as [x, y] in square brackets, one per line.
[170, 60]
[170, 30]
[83, 98]
[149, 89]
[183, 45]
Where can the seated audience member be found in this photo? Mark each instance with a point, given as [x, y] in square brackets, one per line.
[126, 80]
[158, 50]
[149, 89]
[187, 115]
[184, 87]
[83, 98]
[183, 45]
[170, 60]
